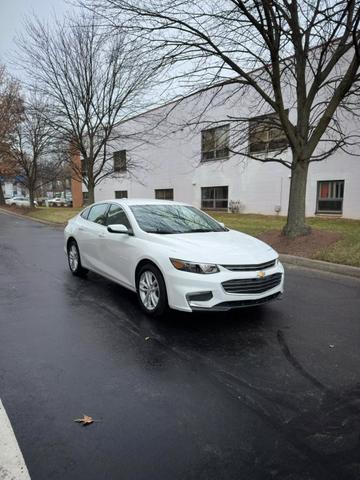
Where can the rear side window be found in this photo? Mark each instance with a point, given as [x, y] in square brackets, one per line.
[116, 215]
[85, 213]
[97, 213]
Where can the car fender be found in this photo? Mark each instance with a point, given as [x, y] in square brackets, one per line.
[153, 260]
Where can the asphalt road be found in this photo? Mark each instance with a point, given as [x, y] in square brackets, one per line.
[266, 393]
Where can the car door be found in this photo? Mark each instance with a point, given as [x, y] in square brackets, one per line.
[118, 249]
[91, 232]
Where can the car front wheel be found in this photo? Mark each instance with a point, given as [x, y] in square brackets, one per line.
[151, 290]
[74, 260]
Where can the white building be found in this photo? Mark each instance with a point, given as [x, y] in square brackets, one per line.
[193, 163]
[13, 188]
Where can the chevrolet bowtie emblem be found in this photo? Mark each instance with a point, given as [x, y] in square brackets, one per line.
[261, 274]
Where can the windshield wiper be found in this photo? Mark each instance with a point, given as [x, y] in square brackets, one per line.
[177, 232]
[201, 230]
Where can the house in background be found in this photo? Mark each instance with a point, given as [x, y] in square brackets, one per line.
[169, 155]
[12, 187]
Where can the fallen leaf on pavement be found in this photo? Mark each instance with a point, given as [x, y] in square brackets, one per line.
[86, 420]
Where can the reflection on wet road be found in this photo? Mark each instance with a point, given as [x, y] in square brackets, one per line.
[269, 392]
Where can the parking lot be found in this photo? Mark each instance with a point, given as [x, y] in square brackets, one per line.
[263, 393]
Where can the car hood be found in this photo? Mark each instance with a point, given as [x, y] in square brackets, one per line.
[230, 247]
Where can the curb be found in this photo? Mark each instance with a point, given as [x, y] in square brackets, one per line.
[25, 217]
[320, 265]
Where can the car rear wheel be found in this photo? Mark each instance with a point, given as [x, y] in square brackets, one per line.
[74, 260]
[151, 290]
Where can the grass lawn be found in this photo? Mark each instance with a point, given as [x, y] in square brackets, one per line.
[52, 214]
[346, 250]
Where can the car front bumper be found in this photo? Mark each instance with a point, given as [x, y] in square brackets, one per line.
[199, 292]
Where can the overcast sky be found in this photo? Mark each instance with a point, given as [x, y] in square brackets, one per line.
[12, 15]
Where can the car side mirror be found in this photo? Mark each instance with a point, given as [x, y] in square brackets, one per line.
[119, 228]
[223, 226]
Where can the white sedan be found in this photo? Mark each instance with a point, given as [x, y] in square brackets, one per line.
[172, 255]
[20, 202]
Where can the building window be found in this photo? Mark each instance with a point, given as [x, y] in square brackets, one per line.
[330, 195]
[85, 197]
[214, 198]
[266, 134]
[119, 161]
[84, 172]
[164, 194]
[121, 194]
[215, 143]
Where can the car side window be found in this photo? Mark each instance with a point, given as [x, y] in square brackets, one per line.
[116, 215]
[84, 214]
[97, 213]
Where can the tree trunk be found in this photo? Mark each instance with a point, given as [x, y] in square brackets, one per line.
[2, 198]
[91, 193]
[31, 197]
[295, 225]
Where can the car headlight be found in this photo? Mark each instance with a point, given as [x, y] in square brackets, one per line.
[194, 267]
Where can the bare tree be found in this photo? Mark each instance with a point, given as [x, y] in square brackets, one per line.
[93, 80]
[297, 59]
[11, 108]
[32, 150]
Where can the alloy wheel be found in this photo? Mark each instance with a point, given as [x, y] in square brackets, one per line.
[149, 290]
[73, 258]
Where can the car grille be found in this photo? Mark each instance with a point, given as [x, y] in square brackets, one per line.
[252, 285]
[250, 268]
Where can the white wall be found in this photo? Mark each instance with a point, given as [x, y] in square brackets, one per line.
[11, 190]
[170, 156]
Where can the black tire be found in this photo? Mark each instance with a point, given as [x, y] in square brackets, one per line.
[149, 270]
[74, 260]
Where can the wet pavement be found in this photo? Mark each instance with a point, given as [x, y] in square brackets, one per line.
[265, 393]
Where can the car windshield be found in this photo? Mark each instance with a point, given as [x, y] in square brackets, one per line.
[167, 219]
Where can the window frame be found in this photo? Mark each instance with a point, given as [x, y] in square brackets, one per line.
[157, 190]
[215, 150]
[267, 144]
[85, 197]
[214, 200]
[123, 168]
[332, 184]
[83, 167]
[119, 198]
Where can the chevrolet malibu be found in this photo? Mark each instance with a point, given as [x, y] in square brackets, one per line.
[172, 255]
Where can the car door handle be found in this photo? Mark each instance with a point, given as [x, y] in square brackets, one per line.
[101, 235]
[81, 229]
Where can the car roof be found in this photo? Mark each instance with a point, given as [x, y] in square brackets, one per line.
[141, 201]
